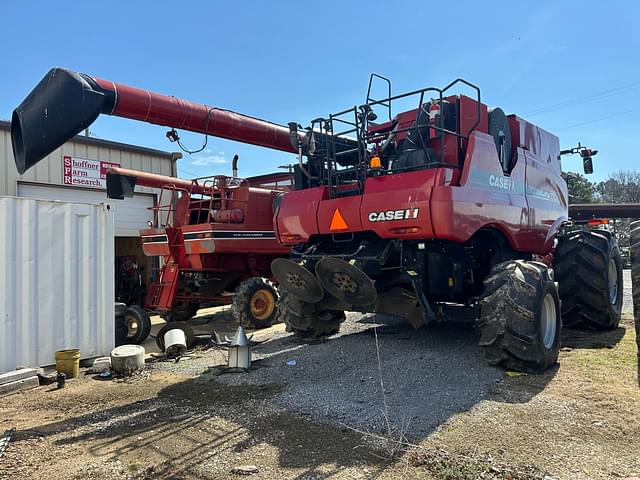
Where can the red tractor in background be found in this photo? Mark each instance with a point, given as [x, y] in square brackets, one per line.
[449, 210]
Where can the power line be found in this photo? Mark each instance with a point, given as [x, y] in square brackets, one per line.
[597, 120]
[191, 174]
[582, 100]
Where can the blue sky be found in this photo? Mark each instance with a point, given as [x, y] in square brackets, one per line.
[572, 67]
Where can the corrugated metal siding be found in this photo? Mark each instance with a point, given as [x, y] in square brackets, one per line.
[130, 215]
[49, 170]
[56, 280]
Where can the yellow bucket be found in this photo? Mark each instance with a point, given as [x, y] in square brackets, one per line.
[68, 362]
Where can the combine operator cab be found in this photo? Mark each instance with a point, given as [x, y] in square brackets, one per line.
[414, 216]
[346, 148]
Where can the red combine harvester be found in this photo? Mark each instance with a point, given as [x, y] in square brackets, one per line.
[215, 236]
[449, 210]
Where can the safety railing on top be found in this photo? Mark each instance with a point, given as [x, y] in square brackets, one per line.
[356, 121]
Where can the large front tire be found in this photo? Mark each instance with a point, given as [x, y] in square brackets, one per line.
[304, 319]
[588, 270]
[520, 321]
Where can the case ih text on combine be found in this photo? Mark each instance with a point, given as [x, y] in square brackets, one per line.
[446, 211]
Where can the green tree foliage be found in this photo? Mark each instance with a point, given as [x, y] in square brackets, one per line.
[581, 190]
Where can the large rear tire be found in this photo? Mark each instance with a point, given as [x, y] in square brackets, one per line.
[588, 270]
[304, 319]
[520, 321]
[255, 303]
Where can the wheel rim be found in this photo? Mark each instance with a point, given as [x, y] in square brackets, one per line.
[548, 320]
[132, 325]
[262, 304]
[613, 282]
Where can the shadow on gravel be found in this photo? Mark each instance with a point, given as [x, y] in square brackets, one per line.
[572, 338]
[429, 375]
[202, 429]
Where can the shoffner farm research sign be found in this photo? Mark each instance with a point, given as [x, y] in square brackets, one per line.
[82, 172]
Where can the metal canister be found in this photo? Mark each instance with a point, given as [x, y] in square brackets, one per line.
[61, 378]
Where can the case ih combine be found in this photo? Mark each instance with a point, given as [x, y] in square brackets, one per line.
[447, 210]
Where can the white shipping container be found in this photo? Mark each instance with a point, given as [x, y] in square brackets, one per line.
[56, 280]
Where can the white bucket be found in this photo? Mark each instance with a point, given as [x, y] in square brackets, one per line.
[175, 343]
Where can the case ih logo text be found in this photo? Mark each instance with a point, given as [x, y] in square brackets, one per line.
[501, 182]
[388, 215]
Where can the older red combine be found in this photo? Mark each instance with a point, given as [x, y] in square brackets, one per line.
[215, 236]
[449, 210]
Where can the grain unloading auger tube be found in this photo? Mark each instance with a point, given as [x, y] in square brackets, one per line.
[65, 102]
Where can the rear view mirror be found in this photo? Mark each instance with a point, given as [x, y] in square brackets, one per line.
[587, 155]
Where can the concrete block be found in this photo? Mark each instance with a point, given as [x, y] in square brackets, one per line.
[16, 375]
[101, 364]
[24, 384]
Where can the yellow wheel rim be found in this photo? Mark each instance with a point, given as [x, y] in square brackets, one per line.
[262, 304]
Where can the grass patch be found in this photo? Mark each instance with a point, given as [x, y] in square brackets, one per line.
[444, 465]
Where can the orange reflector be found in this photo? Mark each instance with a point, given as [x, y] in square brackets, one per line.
[337, 222]
[598, 221]
[375, 162]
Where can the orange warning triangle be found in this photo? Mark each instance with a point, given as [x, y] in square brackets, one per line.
[337, 222]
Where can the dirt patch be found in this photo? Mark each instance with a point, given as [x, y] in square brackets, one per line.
[580, 420]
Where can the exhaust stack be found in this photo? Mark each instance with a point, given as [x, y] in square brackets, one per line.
[65, 102]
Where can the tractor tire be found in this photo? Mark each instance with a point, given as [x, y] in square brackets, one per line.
[184, 326]
[304, 320]
[634, 242]
[520, 322]
[255, 303]
[182, 312]
[133, 327]
[588, 270]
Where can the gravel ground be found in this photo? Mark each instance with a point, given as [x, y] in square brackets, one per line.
[429, 375]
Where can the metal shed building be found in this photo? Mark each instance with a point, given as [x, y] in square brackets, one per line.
[75, 173]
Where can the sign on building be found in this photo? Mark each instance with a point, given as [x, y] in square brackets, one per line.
[83, 172]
